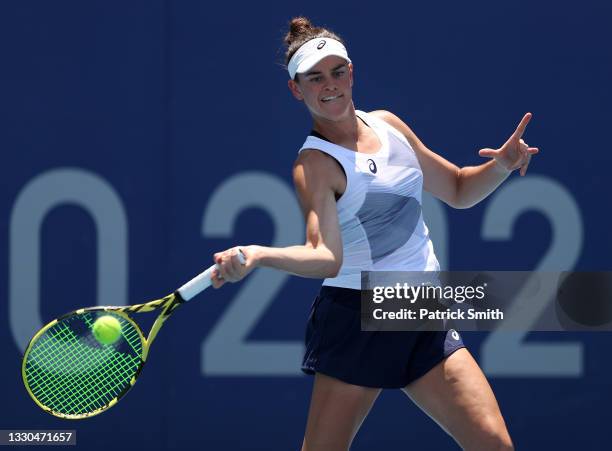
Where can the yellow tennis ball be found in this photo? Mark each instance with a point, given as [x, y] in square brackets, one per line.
[107, 329]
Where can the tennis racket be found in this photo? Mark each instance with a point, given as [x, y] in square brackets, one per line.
[71, 375]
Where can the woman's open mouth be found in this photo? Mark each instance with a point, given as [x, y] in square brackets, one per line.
[330, 98]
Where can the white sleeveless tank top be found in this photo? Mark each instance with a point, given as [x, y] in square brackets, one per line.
[380, 214]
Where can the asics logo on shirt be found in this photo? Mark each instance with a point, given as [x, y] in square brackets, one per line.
[372, 166]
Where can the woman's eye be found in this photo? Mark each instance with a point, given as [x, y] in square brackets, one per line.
[340, 73]
[315, 79]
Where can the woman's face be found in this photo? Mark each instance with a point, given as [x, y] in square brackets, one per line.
[326, 89]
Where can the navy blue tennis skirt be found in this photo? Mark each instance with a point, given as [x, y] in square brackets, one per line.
[336, 346]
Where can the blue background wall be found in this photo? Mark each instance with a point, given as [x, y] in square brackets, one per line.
[137, 138]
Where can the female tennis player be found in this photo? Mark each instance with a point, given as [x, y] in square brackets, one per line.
[359, 178]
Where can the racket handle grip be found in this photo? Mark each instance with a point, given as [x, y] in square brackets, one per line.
[202, 281]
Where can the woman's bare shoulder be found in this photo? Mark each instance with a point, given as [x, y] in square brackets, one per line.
[314, 168]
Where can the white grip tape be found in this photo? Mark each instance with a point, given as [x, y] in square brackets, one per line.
[202, 281]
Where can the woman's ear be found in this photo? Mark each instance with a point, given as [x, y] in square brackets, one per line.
[294, 87]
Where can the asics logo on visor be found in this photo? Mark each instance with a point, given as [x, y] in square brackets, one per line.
[321, 44]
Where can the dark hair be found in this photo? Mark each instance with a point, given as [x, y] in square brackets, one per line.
[302, 30]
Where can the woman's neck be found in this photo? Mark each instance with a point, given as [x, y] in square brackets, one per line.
[345, 130]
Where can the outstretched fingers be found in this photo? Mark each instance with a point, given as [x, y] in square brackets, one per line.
[524, 168]
[520, 129]
[491, 153]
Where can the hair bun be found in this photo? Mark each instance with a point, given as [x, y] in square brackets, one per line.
[297, 27]
[301, 30]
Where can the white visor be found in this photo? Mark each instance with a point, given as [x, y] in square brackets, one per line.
[313, 51]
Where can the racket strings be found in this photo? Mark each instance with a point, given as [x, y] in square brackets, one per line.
[69, 372]
[73, 402]
[77, 378]
[51, 395]
[71, 398]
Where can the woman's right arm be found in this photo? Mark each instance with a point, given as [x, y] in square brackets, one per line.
[317, 178]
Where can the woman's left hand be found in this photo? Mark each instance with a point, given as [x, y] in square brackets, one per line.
[515, 153]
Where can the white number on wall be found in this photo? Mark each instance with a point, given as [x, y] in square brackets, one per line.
[504, 353]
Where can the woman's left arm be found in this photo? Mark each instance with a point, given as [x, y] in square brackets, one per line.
[465, 187]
